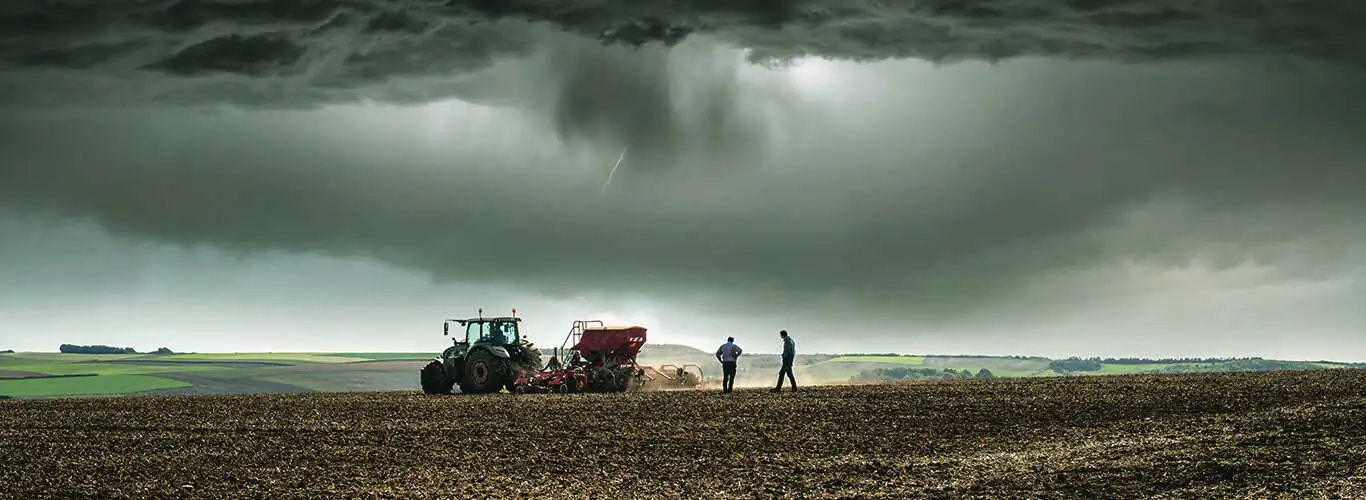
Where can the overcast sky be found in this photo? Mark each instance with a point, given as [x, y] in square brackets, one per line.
[1081, 177]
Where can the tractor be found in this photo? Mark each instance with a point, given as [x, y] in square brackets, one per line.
[486, 359]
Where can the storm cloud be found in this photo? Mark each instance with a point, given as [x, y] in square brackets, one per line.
[917, 204]
[305, 52]
[1075, 154]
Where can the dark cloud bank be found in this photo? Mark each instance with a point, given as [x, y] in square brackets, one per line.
[297, 52]
[995, 185]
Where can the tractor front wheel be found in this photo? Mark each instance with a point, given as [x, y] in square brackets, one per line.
[485, 373]
[435, 380]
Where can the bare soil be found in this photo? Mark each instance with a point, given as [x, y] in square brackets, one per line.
[1285, 434]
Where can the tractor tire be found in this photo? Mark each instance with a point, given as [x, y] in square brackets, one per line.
[435, 380]
[485, 373]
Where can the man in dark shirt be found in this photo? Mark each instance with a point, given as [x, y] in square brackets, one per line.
[789, 352]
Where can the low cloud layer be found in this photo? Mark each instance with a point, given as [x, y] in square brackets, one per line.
[1056, 173]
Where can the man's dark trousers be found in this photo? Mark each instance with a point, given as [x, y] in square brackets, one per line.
[787, 369]
[728, 375]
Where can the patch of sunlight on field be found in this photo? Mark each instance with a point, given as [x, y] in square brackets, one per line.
[85, 386]
[895, 360]
[266, 357]
[104, 368]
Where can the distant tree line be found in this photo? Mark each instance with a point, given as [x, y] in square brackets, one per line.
[983, 356]
[1075, 364]
[1242, 365]
[1093, 364]
[104, 349]
[7, 351]
[1163, 361]
[95, 349]
[909, 373]
[895, 355]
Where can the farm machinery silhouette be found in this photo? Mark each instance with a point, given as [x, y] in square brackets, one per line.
[493, 355]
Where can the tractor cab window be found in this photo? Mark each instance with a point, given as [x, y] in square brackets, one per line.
[502, 333]
[472, 333]
[491, 333]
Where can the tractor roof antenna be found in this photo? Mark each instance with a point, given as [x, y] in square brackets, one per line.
[481, 313]
[514, 313]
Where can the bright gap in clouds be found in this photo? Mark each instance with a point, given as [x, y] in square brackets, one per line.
[813, 74]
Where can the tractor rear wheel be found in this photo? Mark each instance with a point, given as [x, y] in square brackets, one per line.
[435, 380]
[485, 373]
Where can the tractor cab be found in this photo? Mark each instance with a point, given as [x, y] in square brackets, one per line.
[485, 357]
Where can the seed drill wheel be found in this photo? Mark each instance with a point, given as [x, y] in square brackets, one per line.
[435, 380]
[623, 379]
[603, 380]
[485, 373]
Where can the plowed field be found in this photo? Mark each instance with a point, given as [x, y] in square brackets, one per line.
[1293, 434]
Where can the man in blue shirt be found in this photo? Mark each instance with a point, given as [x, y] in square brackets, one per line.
[789, 353]
[727, 354]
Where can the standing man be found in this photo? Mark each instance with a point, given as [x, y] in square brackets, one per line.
[727, 354]
[789, 352]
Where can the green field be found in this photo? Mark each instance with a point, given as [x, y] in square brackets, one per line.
[235, 373]
[85, 386]
[98, 368]
[1113, 369]
[207, 373]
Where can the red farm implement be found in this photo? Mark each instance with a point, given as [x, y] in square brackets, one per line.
[598, 358]
[593, 358]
